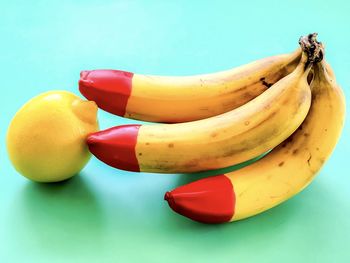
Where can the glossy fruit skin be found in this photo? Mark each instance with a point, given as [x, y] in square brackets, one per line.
[283, 172]
[110, 89]
[116, 146]
[217, 142]
[46, 137]
[174, 99]
[211, 200]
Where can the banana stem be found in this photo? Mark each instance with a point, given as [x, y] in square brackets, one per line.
[312, 48]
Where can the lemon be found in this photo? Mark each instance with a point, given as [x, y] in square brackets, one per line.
[46, 137]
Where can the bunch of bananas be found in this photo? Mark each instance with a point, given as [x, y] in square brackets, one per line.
[288, 105]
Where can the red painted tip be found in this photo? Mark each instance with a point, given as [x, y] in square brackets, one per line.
[85, 84]
[84, 74]
[110, 89]
[116, 146]
[167, 196]
[92, 139]
[210, 200]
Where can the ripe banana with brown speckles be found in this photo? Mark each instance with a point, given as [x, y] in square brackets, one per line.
[215, 142]
[282, 173]
[181, 99]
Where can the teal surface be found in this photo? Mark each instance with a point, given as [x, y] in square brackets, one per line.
[107, 215]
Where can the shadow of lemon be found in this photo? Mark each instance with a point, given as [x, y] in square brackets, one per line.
[65, 215]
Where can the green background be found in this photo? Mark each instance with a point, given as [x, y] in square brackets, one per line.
[107, 215]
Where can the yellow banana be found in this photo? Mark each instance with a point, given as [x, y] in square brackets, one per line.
[181, 99]
[282, 173]
[216, 142]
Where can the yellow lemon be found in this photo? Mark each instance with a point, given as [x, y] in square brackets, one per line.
[46, 137]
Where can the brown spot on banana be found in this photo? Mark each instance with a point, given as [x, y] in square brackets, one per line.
[247, 96]
[295, 151]
[214, 134]
[265, 83]
[309, 160]
[268, 117]
[191, 163]
[285, 102]
[238, 90]
[204, 109]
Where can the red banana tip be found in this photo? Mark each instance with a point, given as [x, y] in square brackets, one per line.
[91, 139]
[167, 196]
[84, 74]
[210, 200]
[85, 84]
[110, 89]
[116, 146]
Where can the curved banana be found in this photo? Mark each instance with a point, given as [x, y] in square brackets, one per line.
[216, 142]
[279, 175]
[181, 99]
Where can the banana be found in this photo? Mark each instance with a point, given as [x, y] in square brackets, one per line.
[282, 173]
[215, 142]
[181, 99]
